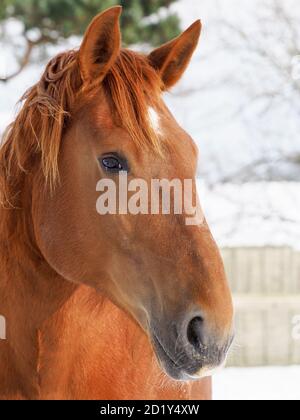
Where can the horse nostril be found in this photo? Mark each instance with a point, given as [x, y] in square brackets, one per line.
[195, 333]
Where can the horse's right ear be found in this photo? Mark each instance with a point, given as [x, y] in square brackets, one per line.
[101, 45]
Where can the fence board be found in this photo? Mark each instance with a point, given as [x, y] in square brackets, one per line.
[266, 288]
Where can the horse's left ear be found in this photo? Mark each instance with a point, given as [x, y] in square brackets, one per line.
[101, 45]
[172, 59]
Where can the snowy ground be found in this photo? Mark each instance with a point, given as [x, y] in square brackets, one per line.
[258, 384]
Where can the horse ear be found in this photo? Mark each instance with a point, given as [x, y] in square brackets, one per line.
[172, 59]
[101, 45]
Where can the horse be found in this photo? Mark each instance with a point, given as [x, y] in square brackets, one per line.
[110, 307]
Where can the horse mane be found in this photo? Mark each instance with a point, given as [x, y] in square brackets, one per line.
[34, 138]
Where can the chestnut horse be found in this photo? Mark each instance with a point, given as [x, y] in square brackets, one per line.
[115, 306]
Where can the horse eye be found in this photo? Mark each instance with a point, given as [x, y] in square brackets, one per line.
[114, 164]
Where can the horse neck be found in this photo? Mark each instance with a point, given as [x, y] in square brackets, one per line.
[30, 291]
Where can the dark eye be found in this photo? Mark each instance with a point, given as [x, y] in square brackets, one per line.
[114, 163]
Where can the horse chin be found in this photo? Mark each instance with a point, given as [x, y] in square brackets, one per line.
[191, 371]
[168, 365]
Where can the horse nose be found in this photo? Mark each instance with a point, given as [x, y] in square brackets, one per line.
[201, 337]
[195, 333]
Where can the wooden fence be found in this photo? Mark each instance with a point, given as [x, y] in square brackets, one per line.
[266, 286]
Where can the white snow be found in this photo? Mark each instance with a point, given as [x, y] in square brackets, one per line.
[253, 214]
[224, 79]
[258, 384]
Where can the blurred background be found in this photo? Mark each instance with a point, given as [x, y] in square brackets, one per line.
[240, 100]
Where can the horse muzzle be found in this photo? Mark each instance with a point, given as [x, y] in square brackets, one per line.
[193, 353]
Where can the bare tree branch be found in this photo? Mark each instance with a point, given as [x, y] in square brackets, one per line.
[23, 62]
